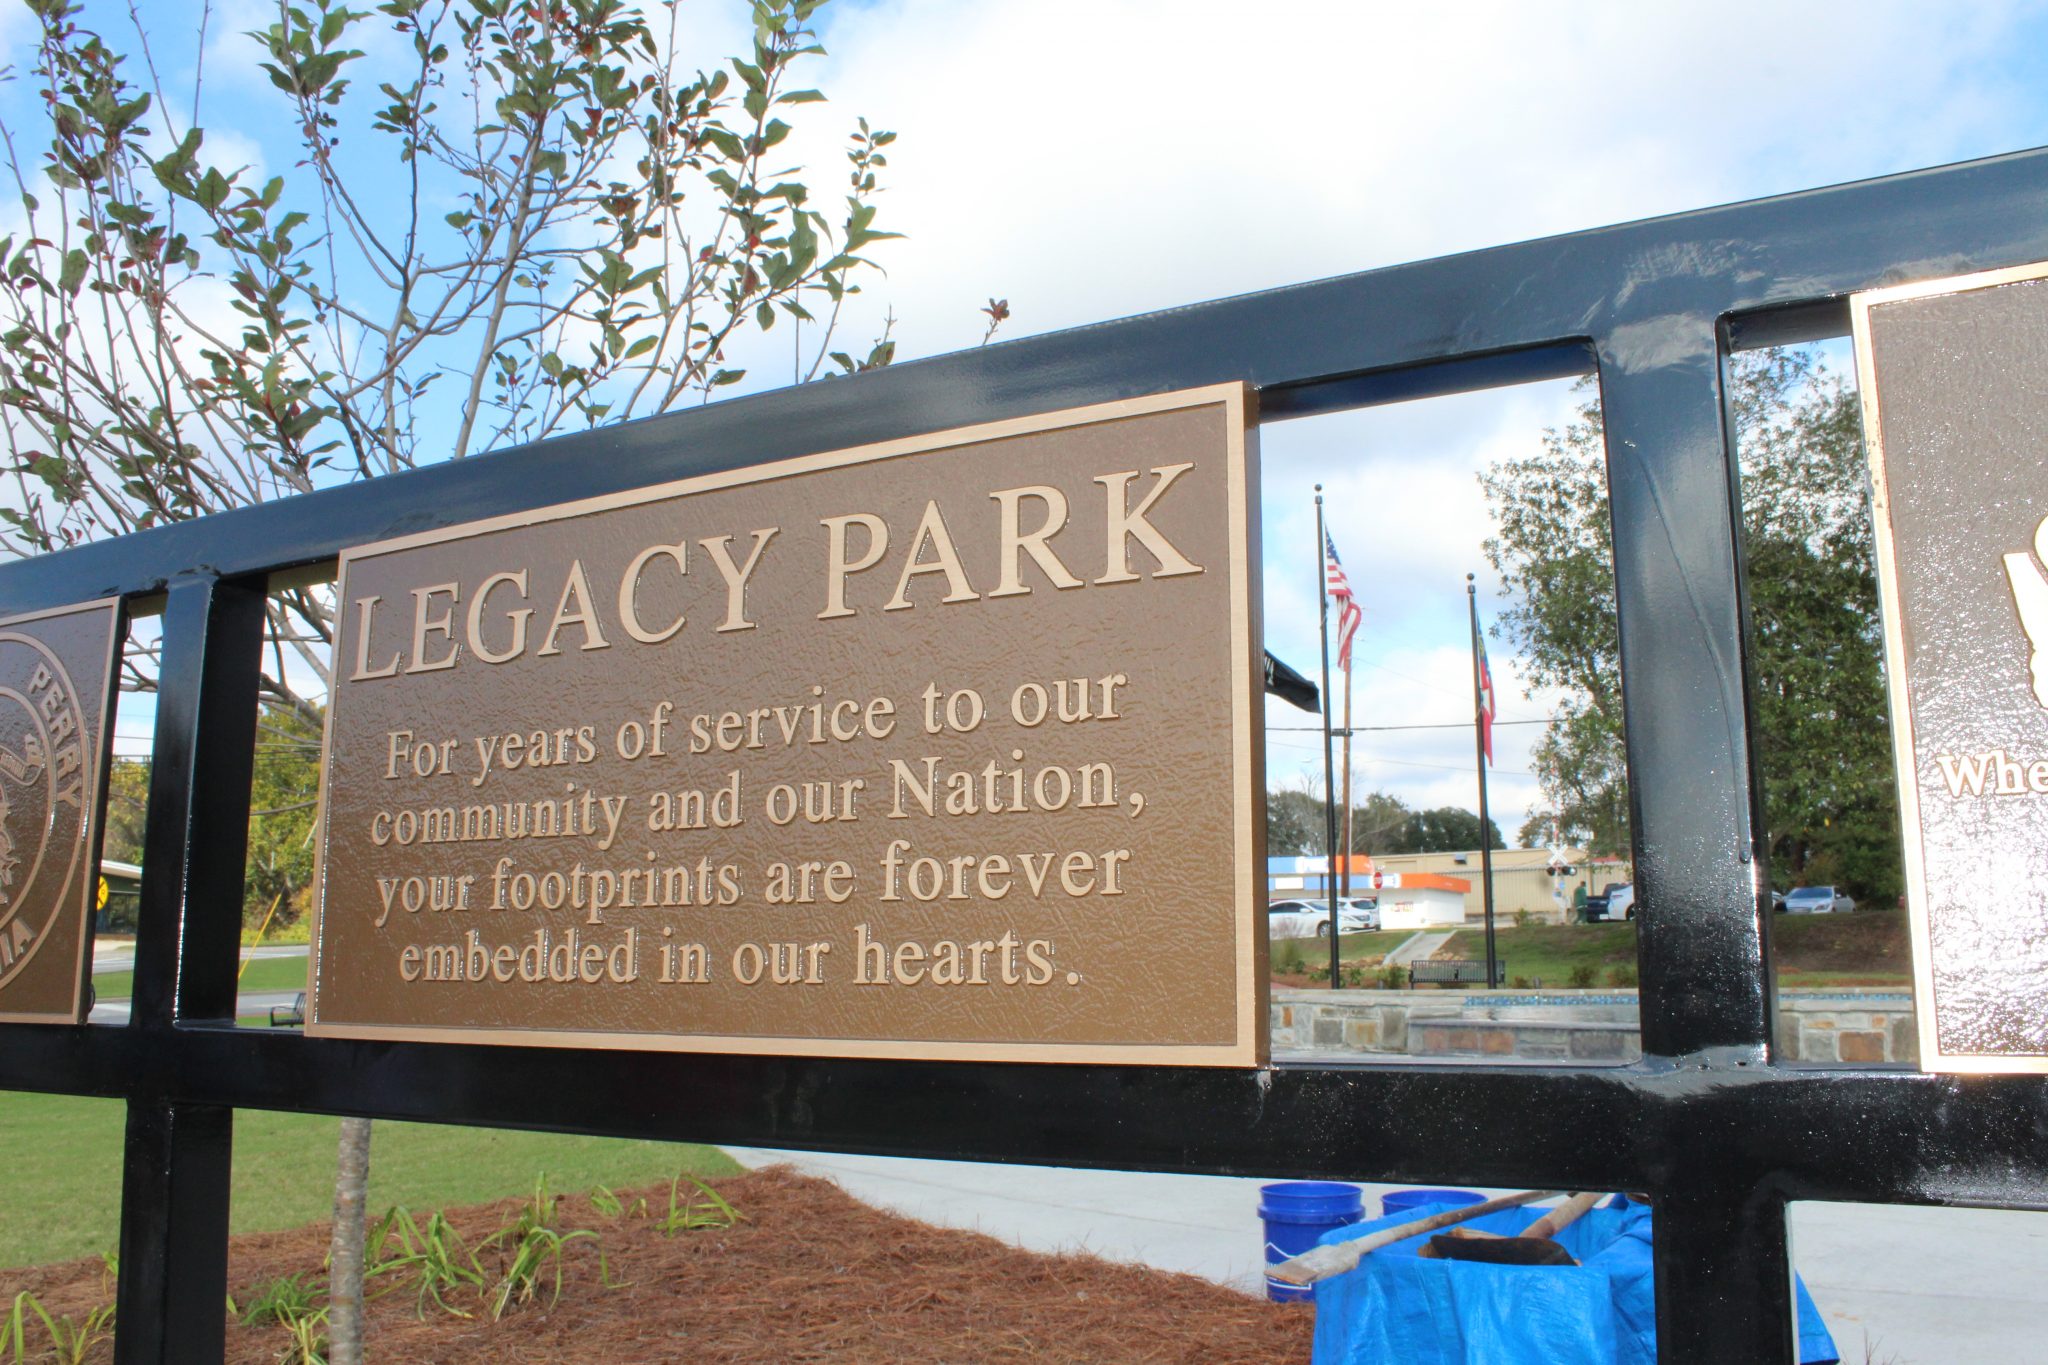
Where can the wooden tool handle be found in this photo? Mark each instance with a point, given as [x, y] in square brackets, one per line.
[1563, 1216]
[1320, 1263]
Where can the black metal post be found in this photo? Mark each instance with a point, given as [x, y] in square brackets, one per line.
[174, 1186]
[1329, 759]
[1479, 758]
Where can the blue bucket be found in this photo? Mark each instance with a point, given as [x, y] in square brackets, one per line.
[1401, 1201]
[1297, 1213]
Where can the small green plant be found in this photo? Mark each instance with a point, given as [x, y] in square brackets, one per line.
[308, 1340]
[14, 1327]
[1523, 919]
[703, 1207]
[532, 1246]
[1393, 976]
[1624, 975]
[1520, 983]
[1582, 976]
[292, 1302]
[430, 1258]
[282, 1300]
[608, 1203]
[70, 1341]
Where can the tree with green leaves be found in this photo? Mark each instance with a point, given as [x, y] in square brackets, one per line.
[1824, 741]
[1380, 824]
[518, 218]
[1295, 824]
[1554, 552]
[1446, 829]
[1823, 746]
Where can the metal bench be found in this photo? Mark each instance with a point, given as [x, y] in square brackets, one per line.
[1455, 972]
[289, 1016]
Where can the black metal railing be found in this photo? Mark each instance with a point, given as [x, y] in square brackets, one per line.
[1705, 1122]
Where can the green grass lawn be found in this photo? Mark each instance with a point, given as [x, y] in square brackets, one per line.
[1293, 955]
[1549, 952]
[263, 974]
[64, 1170]
[1866, 948]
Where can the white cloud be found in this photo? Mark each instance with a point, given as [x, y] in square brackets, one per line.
[1094, 158]
[1089, 159]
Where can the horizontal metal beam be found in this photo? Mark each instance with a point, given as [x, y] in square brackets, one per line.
[1557, 292]
[1883, 1135]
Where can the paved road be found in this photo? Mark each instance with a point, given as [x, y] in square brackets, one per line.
[252, 1002]
[120, 956]
[1917, 1286]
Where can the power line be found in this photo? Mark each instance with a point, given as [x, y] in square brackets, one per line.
[1359, 729]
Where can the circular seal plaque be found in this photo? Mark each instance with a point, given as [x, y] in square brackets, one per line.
[42, 796]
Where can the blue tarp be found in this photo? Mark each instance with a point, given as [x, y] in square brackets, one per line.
[1396, 1306]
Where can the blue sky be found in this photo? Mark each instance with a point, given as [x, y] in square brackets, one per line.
[1089, 159]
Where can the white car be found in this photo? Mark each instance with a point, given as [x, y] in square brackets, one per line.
[1311, 919]
[1816, 900]
[1368, 907]
[1616, 902]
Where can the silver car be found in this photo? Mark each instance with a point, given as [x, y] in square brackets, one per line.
[1817, 900]
[1311, 919]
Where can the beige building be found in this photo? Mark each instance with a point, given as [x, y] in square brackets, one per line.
[1521, 879]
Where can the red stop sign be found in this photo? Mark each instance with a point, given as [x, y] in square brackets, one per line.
[1377, 881]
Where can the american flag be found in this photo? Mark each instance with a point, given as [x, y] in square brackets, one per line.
[1339, 588]
[1485, 704]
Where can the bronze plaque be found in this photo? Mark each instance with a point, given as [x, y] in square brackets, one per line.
[1955, 418]
[56, 683]
[945, 748]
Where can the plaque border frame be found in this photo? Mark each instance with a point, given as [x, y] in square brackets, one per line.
[1897, 688]
[94, 833]
[1241, 509]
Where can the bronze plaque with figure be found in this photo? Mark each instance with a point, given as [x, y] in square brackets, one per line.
[56, 684]
[1956, 427]
[946, 748]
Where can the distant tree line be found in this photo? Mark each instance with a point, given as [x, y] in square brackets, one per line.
[1379, 824]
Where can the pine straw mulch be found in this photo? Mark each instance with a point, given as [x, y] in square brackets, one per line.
[811, 1274]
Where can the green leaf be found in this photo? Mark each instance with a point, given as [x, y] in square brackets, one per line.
[76, 264]
[213, 190]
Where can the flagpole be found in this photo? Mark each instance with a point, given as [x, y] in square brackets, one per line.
[1348, 804]
[1479, 752]
[1329, 787]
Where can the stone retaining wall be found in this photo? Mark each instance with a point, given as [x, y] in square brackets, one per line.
[1866, 1028]
[1848, 1026]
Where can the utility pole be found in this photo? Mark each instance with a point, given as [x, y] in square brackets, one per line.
[1479, 751]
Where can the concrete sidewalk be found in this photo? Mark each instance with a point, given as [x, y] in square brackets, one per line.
[1917, 1286]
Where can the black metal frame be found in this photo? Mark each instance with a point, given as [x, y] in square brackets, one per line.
[1705, 1121]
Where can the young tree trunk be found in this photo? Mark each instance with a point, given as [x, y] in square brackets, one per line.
[345, 1257]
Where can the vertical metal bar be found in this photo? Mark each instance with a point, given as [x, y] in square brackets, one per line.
[189, 922]
[174, 1187]
[1723, 1276]
[1700, 946]
[174, 1234]
[1722, 1289]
